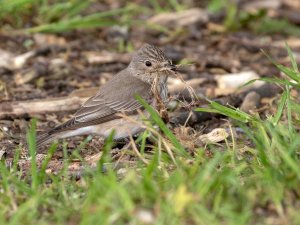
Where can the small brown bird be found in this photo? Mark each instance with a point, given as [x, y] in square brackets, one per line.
[146, 75]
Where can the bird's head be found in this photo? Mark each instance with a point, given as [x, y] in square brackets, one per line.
[150, 61]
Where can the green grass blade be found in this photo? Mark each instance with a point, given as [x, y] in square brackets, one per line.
[16, 159]
[31, 140]
[45, 163]
[77, 8]
[105, 158]
[292, 58]
[291, 73]
[226, 111]
[156, 5]
[208, 110]
[9, 5]
[289, 110]
[280, 108]
[279, 81]
[156, 118]
[293, 165]
[101, 19]
[4, 174]
[232, 113]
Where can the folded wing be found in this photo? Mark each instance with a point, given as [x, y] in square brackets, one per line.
[114, 97]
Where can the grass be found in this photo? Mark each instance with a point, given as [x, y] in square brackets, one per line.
[42, 16]
[258, 22]
[60, 16]
[240, 184]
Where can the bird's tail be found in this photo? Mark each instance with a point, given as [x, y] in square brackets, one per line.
[44, 139]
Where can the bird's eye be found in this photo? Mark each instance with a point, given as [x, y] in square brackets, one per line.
[148, 63]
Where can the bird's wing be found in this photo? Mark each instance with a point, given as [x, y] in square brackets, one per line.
[115, 96]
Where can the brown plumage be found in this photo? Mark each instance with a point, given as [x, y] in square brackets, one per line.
[146, 75]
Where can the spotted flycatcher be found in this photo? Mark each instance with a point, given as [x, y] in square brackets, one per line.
[146, 76]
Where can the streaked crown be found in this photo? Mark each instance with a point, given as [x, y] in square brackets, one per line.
[151, 52]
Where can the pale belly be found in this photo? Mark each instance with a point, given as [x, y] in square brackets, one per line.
[123, 128]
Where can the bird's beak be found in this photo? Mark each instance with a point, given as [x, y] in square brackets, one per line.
[171, 67]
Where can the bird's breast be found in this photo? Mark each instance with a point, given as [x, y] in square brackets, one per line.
[163, 88]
